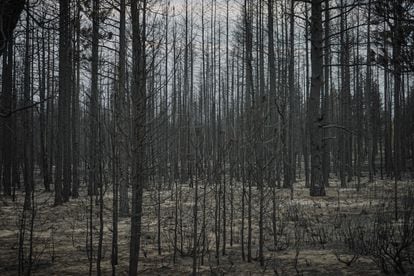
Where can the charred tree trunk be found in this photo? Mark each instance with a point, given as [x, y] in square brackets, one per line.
[317, 188]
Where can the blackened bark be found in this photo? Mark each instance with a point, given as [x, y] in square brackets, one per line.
[317, 188]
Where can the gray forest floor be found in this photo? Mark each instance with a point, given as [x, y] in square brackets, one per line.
[308, 231]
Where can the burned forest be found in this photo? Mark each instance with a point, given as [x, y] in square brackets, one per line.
[206, 137]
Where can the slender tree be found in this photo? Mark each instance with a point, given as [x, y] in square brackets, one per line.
[139, 103]
[316, 186]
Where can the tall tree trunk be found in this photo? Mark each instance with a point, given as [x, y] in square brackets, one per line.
[94, 104]
[396, 53]
[42, 114]
[325, 98]
[317, 188]
[62, 171]
[27, 119]
[139, 99]
[369, 99]
[250, 104]
[122, 116]
[7, 123]
[292, 96]
[75, 105]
